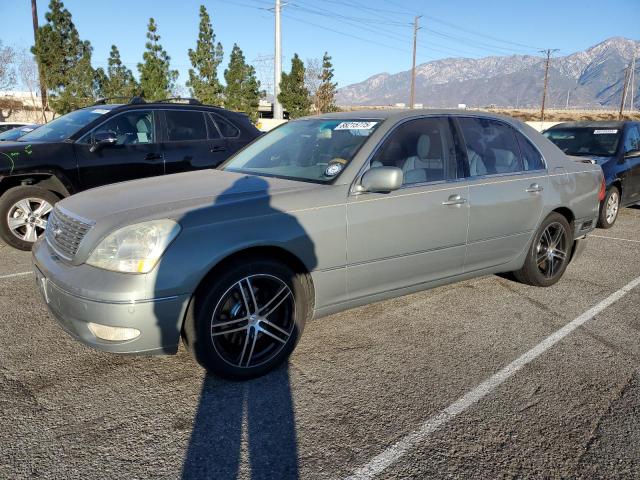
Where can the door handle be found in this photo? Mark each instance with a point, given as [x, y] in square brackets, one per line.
[455, 200]
[218, 149]
[534, 188]
[153, 156]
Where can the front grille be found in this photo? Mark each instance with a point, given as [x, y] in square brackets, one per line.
[64, 233]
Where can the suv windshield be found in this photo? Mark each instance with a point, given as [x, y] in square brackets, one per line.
[314, 150]
[63, 127]
[586, 141]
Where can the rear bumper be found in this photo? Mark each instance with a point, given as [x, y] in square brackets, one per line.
[578, 248]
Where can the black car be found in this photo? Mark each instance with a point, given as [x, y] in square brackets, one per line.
[615, 146]
[108, 143]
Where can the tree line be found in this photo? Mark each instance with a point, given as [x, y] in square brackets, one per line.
[71, 81]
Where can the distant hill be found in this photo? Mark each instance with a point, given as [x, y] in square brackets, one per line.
[593, 79]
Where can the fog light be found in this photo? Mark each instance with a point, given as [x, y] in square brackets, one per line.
[114, 334]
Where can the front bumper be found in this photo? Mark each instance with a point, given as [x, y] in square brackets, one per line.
[159, 320]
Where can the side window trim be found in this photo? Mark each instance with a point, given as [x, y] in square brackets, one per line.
[532, 145]
[215, 125]
[89, 134]
[215, 116]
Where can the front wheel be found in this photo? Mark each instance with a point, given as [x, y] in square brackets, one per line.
[247, 320]
[23, 215]
[549, 254]
[609, 208]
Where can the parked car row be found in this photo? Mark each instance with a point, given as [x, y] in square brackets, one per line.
[320, 215]
[108, 143]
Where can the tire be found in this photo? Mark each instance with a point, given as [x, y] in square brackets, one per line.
[227, 343]
[23, 215]
[548, 255]
[609, 208]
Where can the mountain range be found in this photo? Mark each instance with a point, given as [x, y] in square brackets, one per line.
[592, 78]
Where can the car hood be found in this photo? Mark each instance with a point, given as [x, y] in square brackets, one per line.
[183, 196]
[17, 156]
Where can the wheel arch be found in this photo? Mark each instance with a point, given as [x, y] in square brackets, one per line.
[53, 182]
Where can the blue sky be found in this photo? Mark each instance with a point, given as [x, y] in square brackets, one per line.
[364, 37]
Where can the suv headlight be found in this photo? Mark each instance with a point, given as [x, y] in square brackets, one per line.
[135, 248]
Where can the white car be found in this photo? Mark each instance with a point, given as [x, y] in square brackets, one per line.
[4, 126]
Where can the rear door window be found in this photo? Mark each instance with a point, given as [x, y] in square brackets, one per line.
[228, 129]
[531, 158]
[632, 139]
[185, 125]
[491, 147]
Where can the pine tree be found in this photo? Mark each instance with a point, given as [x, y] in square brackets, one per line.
[119, 79]
[203, 77]
[294, 96]
[326, 94]
[242, 92]
[65, 60]
[157, 80]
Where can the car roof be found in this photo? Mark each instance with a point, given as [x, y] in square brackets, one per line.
[591, 124]
[402, 113]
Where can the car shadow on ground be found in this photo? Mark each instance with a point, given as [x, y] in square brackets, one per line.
[243, 429]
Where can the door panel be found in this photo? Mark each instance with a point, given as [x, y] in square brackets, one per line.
[631, 187]
[404, 238]
[135, 155]
[503, 216]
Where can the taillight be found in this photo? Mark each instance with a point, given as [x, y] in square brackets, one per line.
[603, 190]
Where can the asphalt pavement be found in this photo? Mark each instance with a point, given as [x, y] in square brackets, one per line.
[390, 388]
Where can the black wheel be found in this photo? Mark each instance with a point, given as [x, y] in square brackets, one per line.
[23, 215]
[549, 253]
[609, 208]
[246, 321]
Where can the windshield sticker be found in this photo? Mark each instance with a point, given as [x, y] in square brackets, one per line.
[605, 132]
[356, 125]
[333, 169]
[101, 111]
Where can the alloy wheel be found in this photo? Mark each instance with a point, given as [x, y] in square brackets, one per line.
[613, 204]
[27, 218]
[551, 252]
[253, 320]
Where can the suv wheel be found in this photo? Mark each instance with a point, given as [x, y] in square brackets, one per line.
[246, 321]
[549, 253]
[23, 215]
[609, 208]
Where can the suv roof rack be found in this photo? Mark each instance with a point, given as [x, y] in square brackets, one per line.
[189, 101]
[131, 101]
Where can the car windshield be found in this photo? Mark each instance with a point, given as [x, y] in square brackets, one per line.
[314, 150]
[586, 141]
[63, 127]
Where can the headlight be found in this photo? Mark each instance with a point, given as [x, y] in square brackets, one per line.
[136, 248]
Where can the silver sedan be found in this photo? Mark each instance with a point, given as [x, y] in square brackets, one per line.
[320, 215]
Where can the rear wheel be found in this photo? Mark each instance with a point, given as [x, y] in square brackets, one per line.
[549, 254]
[609, 208]
[246, 321]
[23, 215]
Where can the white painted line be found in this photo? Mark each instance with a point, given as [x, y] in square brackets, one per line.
[13, 275]
[392, 454]
[615, 238]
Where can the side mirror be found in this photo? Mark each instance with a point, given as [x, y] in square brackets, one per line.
[381, 179]
[102, 139]
[632, 154]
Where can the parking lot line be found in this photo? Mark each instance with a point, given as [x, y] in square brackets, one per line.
[616, 238]
[389, 456]
[12, 275]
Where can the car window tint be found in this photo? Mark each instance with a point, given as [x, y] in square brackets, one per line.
[491, 147]
[212, 128]
[632, 140]
[131, 128]
[422, 149]
[184, 125]
[228, 129]
[531, 158]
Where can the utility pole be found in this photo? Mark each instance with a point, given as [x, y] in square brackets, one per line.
[567, 106]
[548, 51]
[43, 87]
[632, 81]
[277, 64]
[413, 65]
[624, 90]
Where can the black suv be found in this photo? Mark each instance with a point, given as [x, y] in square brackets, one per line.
[108, 143]
[615, 146]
